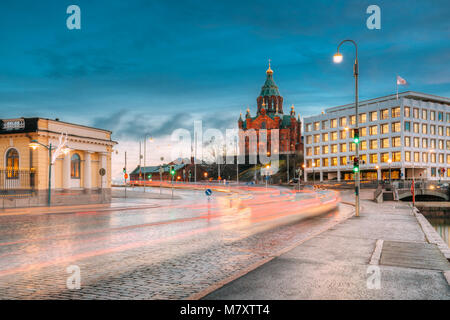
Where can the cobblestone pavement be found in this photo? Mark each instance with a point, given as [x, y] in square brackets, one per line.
[169, 252]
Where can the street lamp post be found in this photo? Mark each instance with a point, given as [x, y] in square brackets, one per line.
[145, 153]
[338, 59]
[34, 144]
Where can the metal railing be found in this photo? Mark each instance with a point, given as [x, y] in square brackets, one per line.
[16, 182]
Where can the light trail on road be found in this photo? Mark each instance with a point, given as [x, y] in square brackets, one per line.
[37, 245]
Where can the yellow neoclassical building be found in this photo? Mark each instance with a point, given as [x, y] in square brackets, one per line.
[80, 163]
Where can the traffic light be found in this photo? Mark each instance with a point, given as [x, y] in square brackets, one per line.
[124, 170]
[172, 170]
[355, 164]
[356, 136]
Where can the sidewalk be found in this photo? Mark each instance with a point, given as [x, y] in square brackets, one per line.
[337, 263]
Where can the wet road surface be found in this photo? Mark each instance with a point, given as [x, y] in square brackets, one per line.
[171, 249]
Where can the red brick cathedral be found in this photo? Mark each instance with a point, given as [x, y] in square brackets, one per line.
[270, 116]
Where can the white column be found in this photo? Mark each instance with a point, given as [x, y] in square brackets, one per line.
[339, 175]
[66, 172]
[53, 176]
[321, 176]
[379, 174]
[306, 175]
[403, 173]
[87, 170]
[103, 164]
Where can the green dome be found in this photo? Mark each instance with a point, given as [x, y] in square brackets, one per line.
[269, 88]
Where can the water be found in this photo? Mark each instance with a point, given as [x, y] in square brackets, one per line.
[442, 226]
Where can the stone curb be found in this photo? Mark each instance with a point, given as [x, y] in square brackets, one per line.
[376, 255]
[431, 234]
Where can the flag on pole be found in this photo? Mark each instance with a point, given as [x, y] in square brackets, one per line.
[400, 81]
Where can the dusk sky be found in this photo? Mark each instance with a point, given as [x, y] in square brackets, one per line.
[154, 66]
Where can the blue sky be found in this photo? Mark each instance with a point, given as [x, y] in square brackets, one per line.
[154, 66]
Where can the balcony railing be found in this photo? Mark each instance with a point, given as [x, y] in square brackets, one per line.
[14, 182]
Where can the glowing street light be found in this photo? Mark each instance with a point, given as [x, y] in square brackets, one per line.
[337, 58]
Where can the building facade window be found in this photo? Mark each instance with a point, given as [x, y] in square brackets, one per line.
[407, 156]
[362, 118]
[384, 114]
[333, 123]
[316, 126]
[432, 115]
[395, 112]
[396, 142]
[424, 114]
[343, 147]
[407, 112]
[407, 141]
[343, 121]
[12, 164]
[75, 166]
[396, 127]
[384, 143]
[407, 126]
[373, 130]
[384, 157]
[373, 116]
[343, 161]
[396, 156]
[373, 144]
[384, 128]
[373, 158]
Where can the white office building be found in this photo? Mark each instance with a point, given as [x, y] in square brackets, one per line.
[406, 136]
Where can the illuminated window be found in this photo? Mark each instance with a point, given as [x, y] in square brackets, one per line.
[416, 113]
[316, 138]
[416, 157]
[396, 142]
[424, 128]
[343, 121]
[441, 158]
[395, 112]
[316, 126]
[75, 166]
[333, 123]
[384, 114]
[363, 145]
[373, 158]
[407, 141]
[441, 144]
[384, 157]
[316, 151]
[363, 158]
[373, 144]
[425, 157]
[334, 161]
[441, 130]
[440, 116]
[334, 135]
[424, 143]
[343, 134]
[362, 118]
[373, 130]
[324, 124]
[433, 143]
[407, 156]
[325, 162]
[334, 148]
[407, 112]
[424, 114]
[396, 156]
[308, 139]
[343, 161]
[432, 130]
[324, 149]
[384, 128]
[12, 164]
[343, 147]
[324, 137]
[432, 115]
[433, 157]
[309, 151]
[308, 127]
[373, 116]
[384, 143]
[317, 162]
[416, 142]
[396, 127]
[352, 120]
[363, 132]
[416, 127]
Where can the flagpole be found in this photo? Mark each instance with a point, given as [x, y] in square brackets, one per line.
[396, 81]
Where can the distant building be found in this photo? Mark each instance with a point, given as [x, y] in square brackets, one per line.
[75, 175]
[270, 116]
[183, 172]
[409, 136]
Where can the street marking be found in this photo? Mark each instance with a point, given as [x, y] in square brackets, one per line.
[376, 255]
